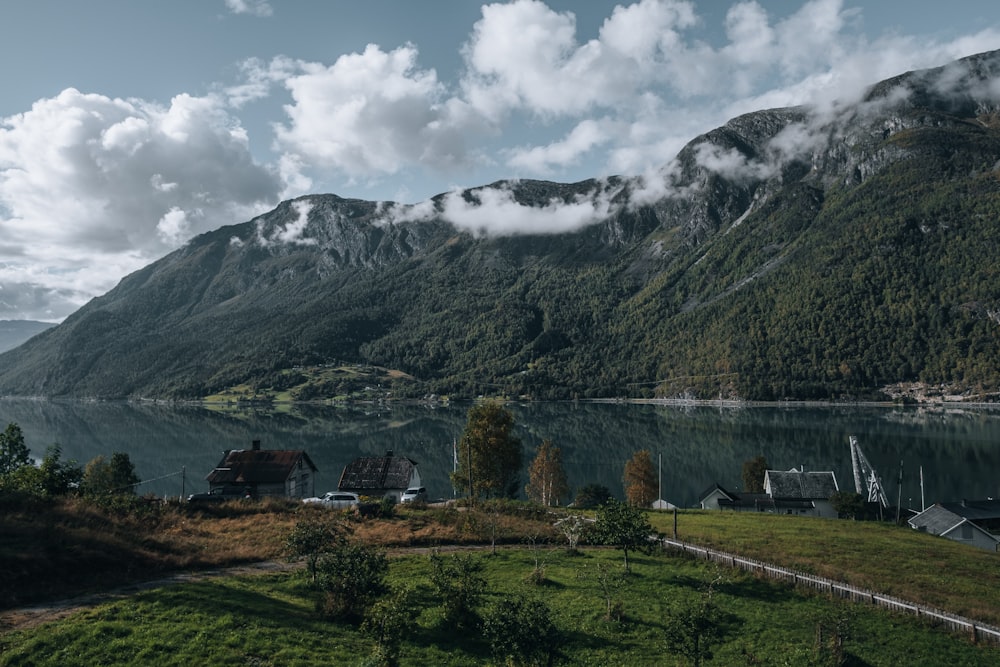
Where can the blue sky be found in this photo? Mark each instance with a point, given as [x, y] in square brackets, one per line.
[128, 127]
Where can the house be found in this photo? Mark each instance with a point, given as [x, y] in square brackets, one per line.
[939, 520]
[983, 513]
[380, 476]
[264, 472]
[716, 497]
[800, 492]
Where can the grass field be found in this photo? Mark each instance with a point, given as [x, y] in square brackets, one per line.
[272, 620]
[51, 550]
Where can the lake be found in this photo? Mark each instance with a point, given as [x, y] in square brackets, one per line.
[694, 446]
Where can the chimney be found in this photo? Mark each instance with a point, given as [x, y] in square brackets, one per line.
[388, 454]
[256, 445]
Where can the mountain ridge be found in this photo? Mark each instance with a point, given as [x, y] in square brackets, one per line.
[639, 282]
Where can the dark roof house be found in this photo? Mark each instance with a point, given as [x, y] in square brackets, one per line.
[983, 513]
[800, 492]
[387, 475]
[264, 472]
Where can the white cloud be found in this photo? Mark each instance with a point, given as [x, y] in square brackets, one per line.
[292, 233]
[587, 135]
[94, 187]
[260, 8]
[370, 114]
[495, 211]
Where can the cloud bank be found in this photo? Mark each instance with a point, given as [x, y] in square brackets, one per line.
[92, 188]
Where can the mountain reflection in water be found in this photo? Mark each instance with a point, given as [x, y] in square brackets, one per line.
[958, 448]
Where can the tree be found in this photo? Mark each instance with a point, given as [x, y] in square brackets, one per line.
[753, 474]
[388, 622]
[640, 479]
[591, 496]
[489, 456]
[848, 504]
[693, 626]
[624, 526]
[53, 477]
[546, 477]
[350, 576]
[459, 583]
[114, 477]
[521, 632]
[13, 452]
[311, 538]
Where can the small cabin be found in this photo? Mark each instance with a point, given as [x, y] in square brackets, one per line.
[387, 476]
[264, 472]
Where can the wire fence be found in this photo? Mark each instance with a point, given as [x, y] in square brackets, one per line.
[978, 632]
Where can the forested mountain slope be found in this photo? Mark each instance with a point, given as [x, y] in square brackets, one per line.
[792, 253]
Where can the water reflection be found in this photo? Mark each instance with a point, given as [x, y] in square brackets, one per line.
[959, 449]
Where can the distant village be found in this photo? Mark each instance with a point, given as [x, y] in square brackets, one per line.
[258, 472]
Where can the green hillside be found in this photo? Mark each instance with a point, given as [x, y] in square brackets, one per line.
[824, 267]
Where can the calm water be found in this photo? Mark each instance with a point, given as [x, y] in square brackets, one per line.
[959, 449]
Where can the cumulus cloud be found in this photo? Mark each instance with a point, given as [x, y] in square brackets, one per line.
[369, 114]
[94, 187]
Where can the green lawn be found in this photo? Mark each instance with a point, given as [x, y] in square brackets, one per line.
[272, 620]
[893, 560]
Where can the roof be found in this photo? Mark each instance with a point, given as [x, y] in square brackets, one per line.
[266, 466]
[716, 487]
[378, 472]
[798, 485]
[938, 520]
[975, 510]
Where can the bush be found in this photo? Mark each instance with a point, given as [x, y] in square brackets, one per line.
[521, 632]
[460, 584]
[350, 578]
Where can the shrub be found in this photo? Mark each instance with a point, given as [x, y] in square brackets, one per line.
[350, 578]
[459, 583]
[521, 631]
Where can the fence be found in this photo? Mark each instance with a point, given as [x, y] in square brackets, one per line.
[976, 631]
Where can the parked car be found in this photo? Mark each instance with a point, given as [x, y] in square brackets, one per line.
[218, 496]
[338, 500]
[414, 495]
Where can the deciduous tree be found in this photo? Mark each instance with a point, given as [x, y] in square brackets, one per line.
[115, 476]
[640, 479]
[624, 526]
[546, 477]
[753, 474]
[489, 456]
[13, 452]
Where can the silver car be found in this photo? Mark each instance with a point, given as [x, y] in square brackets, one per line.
[338, 500]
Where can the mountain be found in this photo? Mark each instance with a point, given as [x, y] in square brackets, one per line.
[790, 254]
[15, 332]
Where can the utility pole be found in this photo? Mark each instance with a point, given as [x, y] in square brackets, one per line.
[183, 482]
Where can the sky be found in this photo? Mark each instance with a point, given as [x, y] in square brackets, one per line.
[127, 128]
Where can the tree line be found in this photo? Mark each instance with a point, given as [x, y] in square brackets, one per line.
[104, 479]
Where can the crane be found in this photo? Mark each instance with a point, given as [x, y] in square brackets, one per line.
[866, 480]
